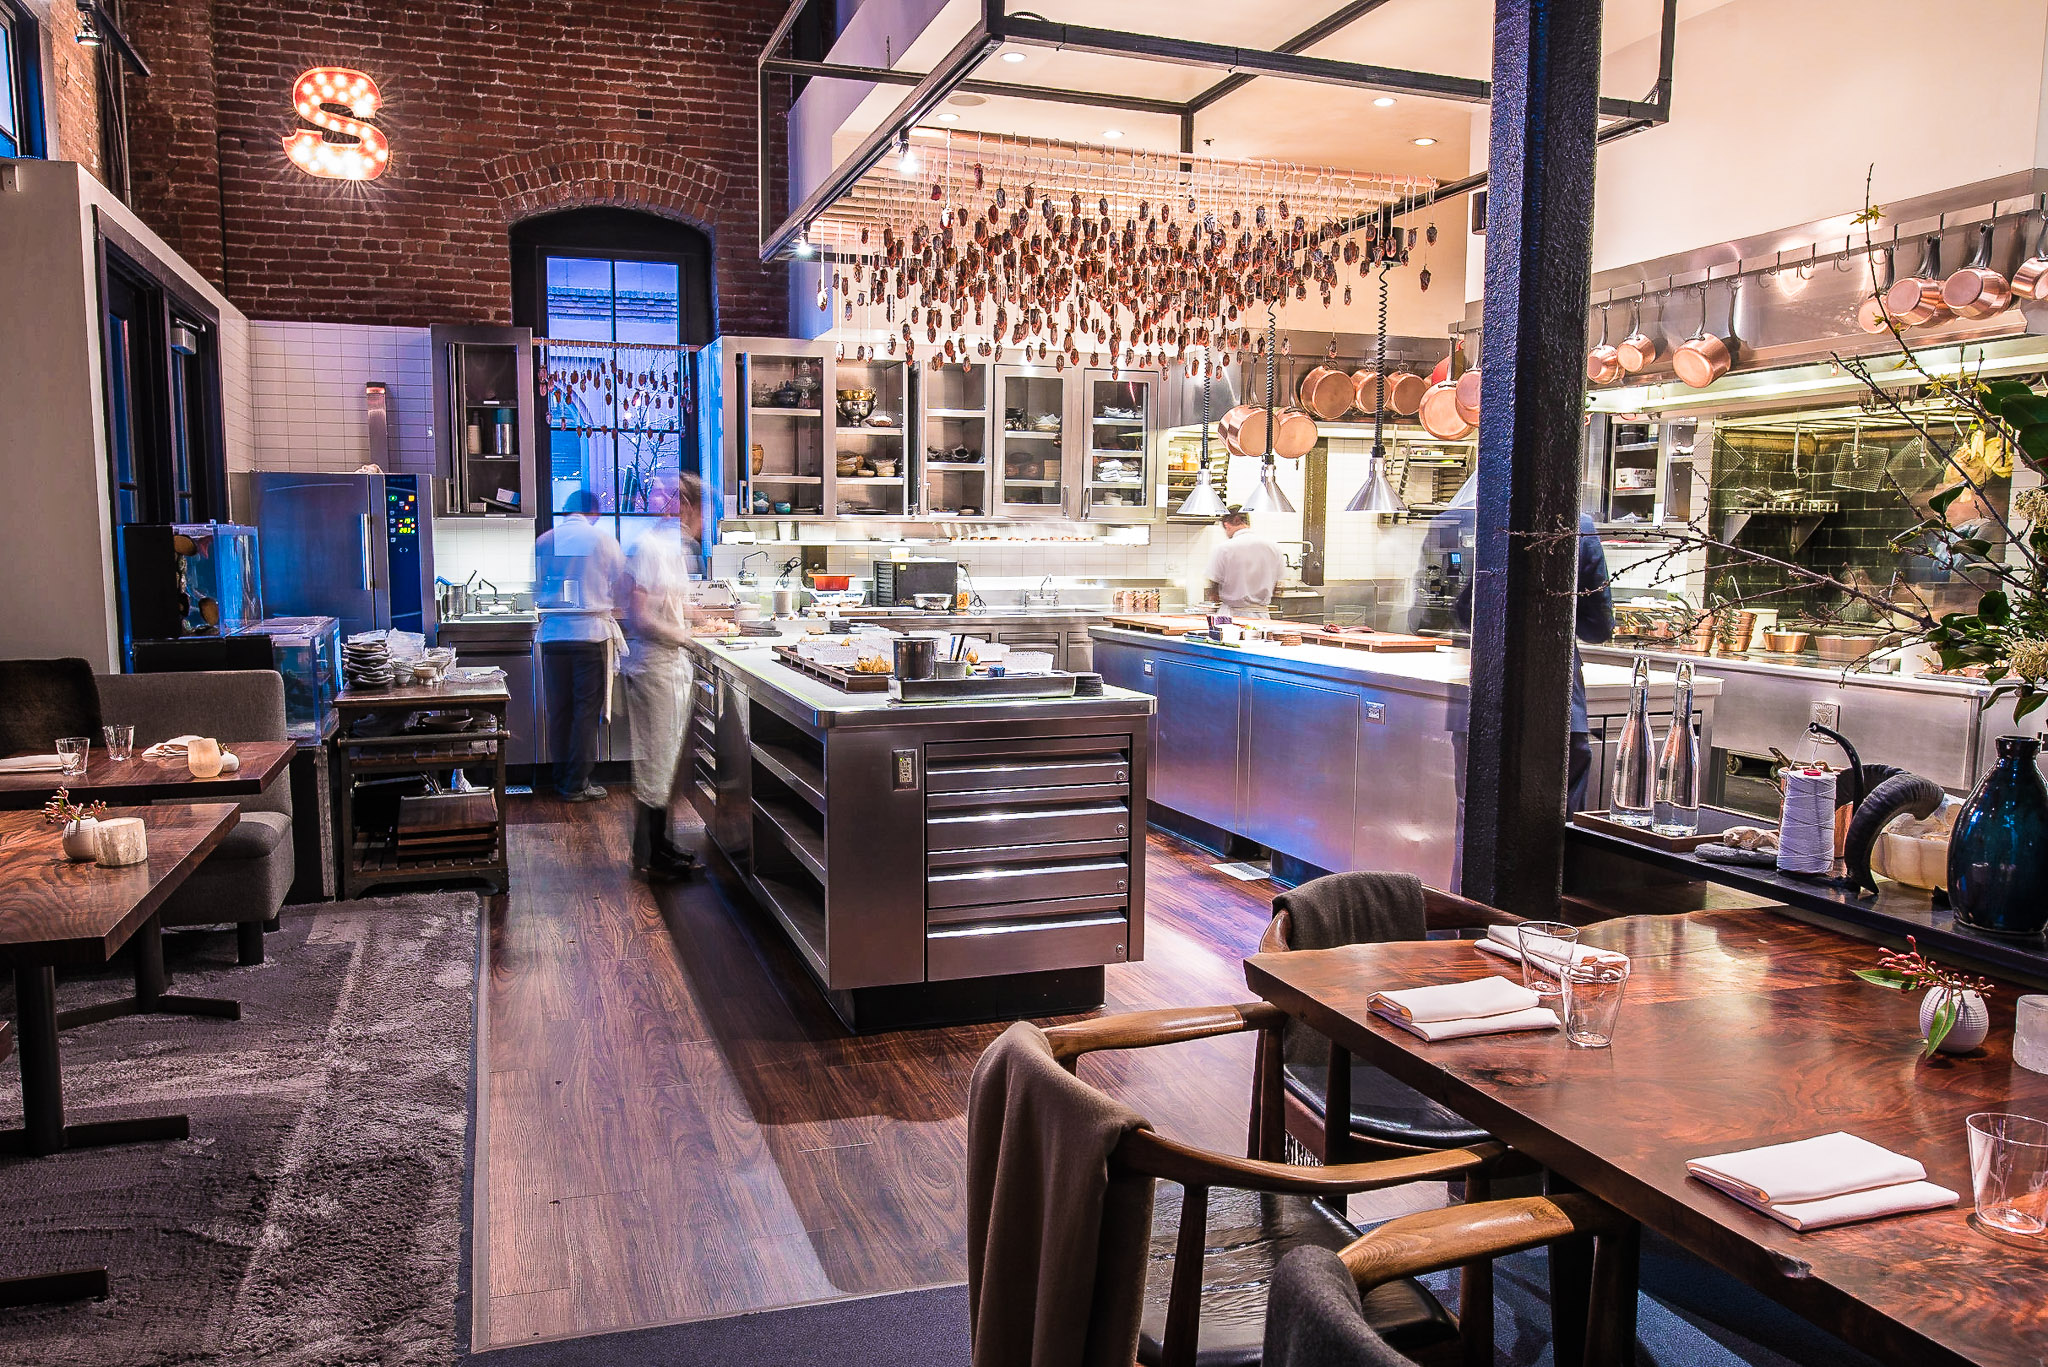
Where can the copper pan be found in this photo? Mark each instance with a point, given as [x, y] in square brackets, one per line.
[1327, 392]
[1870, 314]
[2030, 281]
[1405, 391]
[1439, 412]
[1294, 432]
[1297, 432]
[1639, 349]
[1603, 362]
[1978, 291]
[1231, 427]
[1917, 299]
[1467, 395]
[1364, 389]
[1703, 358]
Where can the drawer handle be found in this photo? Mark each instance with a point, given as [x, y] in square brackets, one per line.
[1119, 830]
[1119, 885]
[1122, 776]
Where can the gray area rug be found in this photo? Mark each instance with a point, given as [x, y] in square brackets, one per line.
[315, 1216]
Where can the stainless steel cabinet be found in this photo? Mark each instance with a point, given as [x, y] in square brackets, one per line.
[1302, 772]
[484, 400]
[1199, 739]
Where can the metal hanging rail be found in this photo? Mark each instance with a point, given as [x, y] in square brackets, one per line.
[995, 26]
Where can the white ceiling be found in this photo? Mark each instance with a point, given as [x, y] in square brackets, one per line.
[1285, 120]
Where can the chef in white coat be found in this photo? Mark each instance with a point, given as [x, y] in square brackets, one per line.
[1244, 569]
[658, 685]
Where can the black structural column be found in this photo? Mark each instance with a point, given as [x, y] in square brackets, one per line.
[1539, 244]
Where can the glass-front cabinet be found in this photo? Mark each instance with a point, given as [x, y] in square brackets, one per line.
[872, 427]
[955, 433]
[785, 404]
[1117, 482]
[1032, 468]
[484, 401]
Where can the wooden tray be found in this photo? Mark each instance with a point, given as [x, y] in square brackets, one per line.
[1713, 821]
[1384, 642]
[844, 679]
[1053, 685]
[1159, 624]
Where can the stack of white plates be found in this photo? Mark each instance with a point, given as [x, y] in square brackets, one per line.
[366, 662]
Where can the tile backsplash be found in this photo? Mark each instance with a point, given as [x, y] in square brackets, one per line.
[307, 406]
[499, 548]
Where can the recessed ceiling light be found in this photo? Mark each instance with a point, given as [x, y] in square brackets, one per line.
[1384, 102]
[1425, 142]
[949, 118]
[968, 101]
[1013, 56]
[1112, 134]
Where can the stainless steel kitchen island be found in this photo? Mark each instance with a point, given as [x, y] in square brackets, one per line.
[929, 862]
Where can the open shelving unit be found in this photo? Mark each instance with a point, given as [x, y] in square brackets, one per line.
[787, 805]
[955, 451]
[875, 446]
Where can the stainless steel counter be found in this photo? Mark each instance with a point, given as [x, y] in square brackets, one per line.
[929, 862]
[1339, 759]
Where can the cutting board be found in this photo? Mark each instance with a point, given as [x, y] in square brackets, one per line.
[1383, 642]
[1159, 624]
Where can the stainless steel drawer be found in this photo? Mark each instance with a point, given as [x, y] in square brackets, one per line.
[982, 827]
[1026, 882]
[1026, 946]
[955, 776]
[1076, 795]
[1040, 910]
[1053, 852]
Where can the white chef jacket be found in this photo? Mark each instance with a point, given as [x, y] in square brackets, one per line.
[579, 568]
[1244, 570]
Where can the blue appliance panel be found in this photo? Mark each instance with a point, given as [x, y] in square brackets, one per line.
[408, 556]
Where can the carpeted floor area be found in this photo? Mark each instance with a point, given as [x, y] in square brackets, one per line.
[315, 1215]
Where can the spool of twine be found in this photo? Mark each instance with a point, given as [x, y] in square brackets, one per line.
[1806, 822]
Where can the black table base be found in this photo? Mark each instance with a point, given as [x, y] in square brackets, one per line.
[150, 998]
[43, 1129]
[47, 1288]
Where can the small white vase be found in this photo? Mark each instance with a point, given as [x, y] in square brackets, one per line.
[82, 840]
[1973, 1023]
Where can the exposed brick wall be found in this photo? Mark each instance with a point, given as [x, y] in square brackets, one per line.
[495, 112]
[75, 88]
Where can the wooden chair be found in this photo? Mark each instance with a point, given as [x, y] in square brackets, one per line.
[1400, 1308]
[1315, 1317]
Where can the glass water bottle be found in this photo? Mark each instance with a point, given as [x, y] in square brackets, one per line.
[1678, 767]
[1633, 802]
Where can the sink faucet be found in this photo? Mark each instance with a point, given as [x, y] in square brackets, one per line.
[746, 576]
[1045, 594]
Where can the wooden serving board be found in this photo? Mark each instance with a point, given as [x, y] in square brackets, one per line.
[1159, 624]
[1384, 642]
[844, 679]
[1713, 821]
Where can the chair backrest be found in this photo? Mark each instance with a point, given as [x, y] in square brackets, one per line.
[41, 700]
[1354, 908]
[231, 705]
[1315, 1317]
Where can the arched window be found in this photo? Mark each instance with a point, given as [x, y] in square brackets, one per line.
[630, 284]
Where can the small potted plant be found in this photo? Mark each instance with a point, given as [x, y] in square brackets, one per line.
[81, 823]
[1953, 1017]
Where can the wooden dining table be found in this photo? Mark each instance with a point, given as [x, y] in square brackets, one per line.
[139, 779]
[1737, 1029]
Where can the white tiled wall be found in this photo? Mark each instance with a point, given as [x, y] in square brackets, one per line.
[238, 414]
[308, 411]
[499, 548]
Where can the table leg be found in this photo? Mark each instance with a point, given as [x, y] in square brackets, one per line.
[1337, 1121]
[150, 998]
[1571, 1288]
[43, 1129]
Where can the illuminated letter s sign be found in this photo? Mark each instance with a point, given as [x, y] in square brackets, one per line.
[316, 95]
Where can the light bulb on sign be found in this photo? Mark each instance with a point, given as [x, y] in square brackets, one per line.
[324, 97]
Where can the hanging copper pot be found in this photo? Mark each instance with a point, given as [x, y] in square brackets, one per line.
[1326, 392]
[1296, 432]
[1978, 291]
[1603, 362]
[2030, 281]
[1917, 300]
[1467, 395]
[1703, 358]
[1870, 314]
[1404, 392]
[1230, 427]
[1364, 386]
[1639, 350]
[1439, 413]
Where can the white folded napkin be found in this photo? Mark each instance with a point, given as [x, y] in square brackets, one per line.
[1831, 1179]
[1488, 1006]
[174, 748]
[1501, 940]
[31, 764]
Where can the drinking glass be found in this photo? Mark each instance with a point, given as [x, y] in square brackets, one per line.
[120, 741]
[2009, 1170]
[1547, 946]
[1592, 999]
[72, 752]
[2030, 1033]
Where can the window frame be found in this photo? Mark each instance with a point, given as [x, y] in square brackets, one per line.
[25, 91]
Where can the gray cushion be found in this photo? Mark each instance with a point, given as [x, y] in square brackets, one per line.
[246, 877]
[1314, 1318]
[254, 836]
[227, 704]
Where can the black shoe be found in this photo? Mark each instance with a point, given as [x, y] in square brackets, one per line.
[666, 869]
[591, 793]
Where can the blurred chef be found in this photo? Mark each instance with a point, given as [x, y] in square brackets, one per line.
[657, 669]
[1244, 568]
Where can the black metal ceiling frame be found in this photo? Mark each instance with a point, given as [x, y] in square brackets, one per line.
[996, 27]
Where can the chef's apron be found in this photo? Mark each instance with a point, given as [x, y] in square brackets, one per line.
[658, 696]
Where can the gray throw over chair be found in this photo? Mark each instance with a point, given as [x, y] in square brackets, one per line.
[245, 880]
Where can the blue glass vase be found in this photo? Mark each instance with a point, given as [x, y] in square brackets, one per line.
[1998, 854]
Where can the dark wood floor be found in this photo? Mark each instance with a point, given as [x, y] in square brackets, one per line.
[674, 1127]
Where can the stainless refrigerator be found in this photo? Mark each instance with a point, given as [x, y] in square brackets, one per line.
[355, 547]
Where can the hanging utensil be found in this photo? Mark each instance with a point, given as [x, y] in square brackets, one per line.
[1639, 349]
[1978, 291]
[1438, 411]
[1603, 362]
[1704, 358]
[1917, 300]
[1871, 314]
